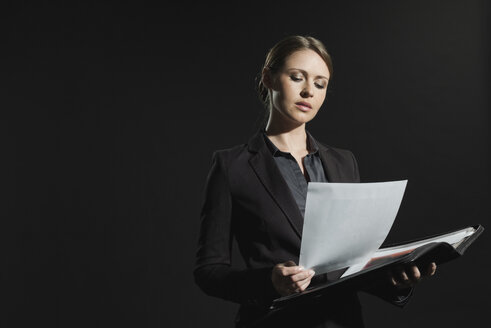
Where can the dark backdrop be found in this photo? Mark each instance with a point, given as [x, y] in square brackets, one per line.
[110, 113]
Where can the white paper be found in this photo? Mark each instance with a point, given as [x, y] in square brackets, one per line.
[356, 267]
[453, 238]
[345, 223]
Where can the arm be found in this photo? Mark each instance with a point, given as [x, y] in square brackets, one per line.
[213, 272]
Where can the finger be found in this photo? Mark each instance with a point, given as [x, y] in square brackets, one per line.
[414, 274]
[303, 275]
[299, 283]
[289, 263]
[292, 270]
[394, 276]
[391, 278]
[304, 286]
[300, 286]
[403, 278]
[297, 286]
[288, 271]
[396, 280]
[431, 269]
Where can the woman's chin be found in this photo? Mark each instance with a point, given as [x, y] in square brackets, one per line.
[294, 118]
[303, 118]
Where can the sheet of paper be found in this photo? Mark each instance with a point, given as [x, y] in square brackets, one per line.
[453, 238]
[345, 223]
[356, 268]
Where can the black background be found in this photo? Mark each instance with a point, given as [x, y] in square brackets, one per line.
[110, 113]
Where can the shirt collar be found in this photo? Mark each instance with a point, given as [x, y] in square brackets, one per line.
[311, 145]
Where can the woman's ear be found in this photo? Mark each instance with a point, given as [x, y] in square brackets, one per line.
[267, 78]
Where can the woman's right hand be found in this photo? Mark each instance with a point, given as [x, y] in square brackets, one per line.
[288, 278]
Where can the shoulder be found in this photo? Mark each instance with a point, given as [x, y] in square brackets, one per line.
[231, 153]
[231, 163]
[341, 161]
[333, 152]
[338, 153]
[241, 153]
[232, 158]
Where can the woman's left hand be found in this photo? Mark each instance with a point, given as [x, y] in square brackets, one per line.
[409, 276]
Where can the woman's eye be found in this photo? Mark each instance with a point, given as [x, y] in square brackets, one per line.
[295, 78]
[319, 86]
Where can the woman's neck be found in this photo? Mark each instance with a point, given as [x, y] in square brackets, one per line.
[287, 138]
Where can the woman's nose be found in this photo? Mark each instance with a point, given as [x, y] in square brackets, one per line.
[307, 91]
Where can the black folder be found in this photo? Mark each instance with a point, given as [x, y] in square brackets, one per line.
[438, 252]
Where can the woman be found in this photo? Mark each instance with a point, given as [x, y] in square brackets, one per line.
[256, 193]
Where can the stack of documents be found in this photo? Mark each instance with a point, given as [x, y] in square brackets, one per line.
[346, 223]
[344, 226]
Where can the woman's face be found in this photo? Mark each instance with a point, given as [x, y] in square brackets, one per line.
[299, 88]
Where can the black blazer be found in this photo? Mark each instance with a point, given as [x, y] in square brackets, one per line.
[246, 197]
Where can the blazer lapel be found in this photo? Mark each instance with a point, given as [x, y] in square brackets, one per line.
[331, 167]
[270, 176]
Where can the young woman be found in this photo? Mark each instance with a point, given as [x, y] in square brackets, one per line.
[256, 193]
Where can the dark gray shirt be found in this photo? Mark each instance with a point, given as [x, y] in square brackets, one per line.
[292, 173]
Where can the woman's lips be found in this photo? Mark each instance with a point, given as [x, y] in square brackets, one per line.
[303, 107]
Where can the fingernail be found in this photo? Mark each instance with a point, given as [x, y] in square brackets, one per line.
[300, 268]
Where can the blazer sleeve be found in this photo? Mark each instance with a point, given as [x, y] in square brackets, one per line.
[213, 272]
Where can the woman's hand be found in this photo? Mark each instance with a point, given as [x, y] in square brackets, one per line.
[288, 278]
[408, 277]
